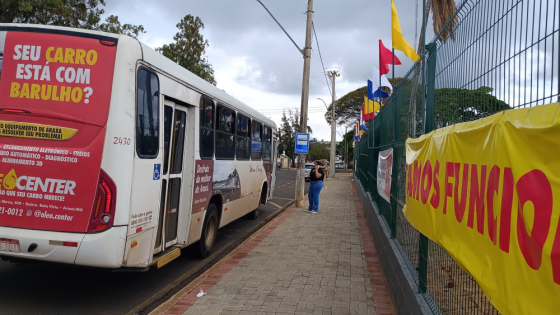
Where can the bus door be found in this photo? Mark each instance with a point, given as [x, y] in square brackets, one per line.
[174, 128]
[273, 157]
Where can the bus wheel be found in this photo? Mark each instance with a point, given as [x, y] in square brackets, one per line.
[255, 213]
[209, 231]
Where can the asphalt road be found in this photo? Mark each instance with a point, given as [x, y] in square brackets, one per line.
[63, 289]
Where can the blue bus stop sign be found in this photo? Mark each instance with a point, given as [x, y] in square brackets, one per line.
[302, 143]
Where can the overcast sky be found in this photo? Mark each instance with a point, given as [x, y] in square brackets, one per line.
[256, 63]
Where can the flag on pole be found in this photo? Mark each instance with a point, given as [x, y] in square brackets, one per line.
[367, 109]
[398, 39]
[375, 84]
[386, 58]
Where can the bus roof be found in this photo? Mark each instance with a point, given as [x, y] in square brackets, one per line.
[154, 58]
[165, 64]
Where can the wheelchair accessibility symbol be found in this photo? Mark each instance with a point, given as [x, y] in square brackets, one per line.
[157, 171]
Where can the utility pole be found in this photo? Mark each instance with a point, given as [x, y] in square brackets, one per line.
[306, 52]
[300, 179]
[345, 148]
[333, 74]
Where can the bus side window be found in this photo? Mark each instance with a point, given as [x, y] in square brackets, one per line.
[256, 145]
[266, 143]
[225, 133]
[243, 139]
[206, 129]
[147, 111]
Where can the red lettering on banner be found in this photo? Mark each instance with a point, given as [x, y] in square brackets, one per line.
[426, 186]
[476, 200]
[555, 256]
[449, 172]
[416, 180]
[461, 205]
[493, 187]
[409, 180]
[534, 187]
[505, 213]
[436, 196]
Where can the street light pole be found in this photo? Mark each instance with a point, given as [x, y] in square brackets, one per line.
[333, 74]
[300, 179]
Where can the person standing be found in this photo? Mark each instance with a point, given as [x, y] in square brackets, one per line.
[316, 177]
[325, 167]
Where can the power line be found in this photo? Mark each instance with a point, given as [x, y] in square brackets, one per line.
[275, 80]
[291, 76]
[321, 57]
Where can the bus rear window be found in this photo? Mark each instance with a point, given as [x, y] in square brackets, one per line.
[147, 111]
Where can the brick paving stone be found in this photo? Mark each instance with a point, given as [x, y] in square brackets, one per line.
[303, 264]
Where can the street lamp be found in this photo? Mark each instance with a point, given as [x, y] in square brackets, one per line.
[306, 52]
[323, 102]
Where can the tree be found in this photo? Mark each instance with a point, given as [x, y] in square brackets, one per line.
[288, 135]
[288, 130]
[189, 48]
[318, 151]
[113, 25]
[451, 105]
[345, 146]
[70, 13]
[84, 14]
[348, 107]
[442, 11]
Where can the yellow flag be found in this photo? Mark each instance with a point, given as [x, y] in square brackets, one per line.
[376, 107]
[398, 39]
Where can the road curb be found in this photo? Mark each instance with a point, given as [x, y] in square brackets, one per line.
[188, 279]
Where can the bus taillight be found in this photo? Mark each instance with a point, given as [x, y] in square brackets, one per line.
[14, 111]
[103, 211]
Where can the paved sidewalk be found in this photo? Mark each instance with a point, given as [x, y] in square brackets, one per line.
[302, 263]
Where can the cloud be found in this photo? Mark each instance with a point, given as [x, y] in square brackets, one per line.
[254, 60]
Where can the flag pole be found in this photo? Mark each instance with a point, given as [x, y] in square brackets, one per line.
[393, 74]
[393, 50]
[379, 87]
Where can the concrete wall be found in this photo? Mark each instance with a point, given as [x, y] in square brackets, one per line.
[402, 287]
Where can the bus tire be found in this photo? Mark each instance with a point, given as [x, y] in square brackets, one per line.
[255, 213]
[209, 231]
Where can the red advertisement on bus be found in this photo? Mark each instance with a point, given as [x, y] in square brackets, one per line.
[55, 92]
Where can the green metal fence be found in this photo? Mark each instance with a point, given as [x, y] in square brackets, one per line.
[491, 56]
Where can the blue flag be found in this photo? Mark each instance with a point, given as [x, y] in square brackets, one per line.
[383, 94]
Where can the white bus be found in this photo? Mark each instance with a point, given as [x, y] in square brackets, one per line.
[115, 156]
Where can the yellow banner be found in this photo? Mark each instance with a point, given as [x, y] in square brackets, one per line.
[35, 131]
[488, 191]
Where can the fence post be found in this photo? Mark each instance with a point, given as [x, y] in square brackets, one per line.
[394, 170]
[428, 127]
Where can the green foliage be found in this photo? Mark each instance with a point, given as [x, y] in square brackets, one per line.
[318, 151]
[348, 107]
[84, 14]
[70, 13]
[113, 25]
[288, 129]
[189, 48]
[453, 106]
[345, 146]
